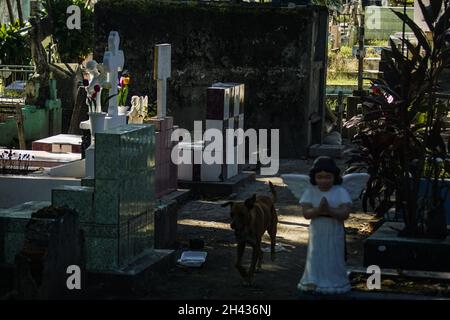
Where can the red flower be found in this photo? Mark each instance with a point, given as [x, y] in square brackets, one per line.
[376, 90]
[94, 95]
[96, 88]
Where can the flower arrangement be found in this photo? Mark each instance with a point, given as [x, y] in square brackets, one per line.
[94, 97]
[91, 99]
[11, 163]
[123, 88]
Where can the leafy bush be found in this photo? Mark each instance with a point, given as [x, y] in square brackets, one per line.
[341, 64]
[14, 45]
[346, 52]
[73, 45]
[399, 136]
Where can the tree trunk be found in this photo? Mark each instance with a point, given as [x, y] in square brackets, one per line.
[40, 29]
[10, 11]
[19, 11]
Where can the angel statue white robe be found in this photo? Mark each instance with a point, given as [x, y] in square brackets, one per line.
[325, 270]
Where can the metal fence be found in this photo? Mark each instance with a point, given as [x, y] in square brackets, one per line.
[13, 80]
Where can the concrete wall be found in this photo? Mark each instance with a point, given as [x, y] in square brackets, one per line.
[279, 54]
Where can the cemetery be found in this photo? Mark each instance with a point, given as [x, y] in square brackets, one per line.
[145, 153]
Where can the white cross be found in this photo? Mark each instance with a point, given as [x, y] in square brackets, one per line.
[113, 61]
[162, 70]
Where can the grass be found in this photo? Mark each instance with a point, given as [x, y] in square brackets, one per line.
[345, 81]
[376, 43]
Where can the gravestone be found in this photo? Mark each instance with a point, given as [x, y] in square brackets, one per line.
[166, 170]
[225, 110]
[162, 70]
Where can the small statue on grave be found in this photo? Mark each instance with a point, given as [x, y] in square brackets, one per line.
[97, 82]
[327, 204]
[139, 109]
[325, 199]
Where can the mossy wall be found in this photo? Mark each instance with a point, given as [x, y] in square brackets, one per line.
[278, 53]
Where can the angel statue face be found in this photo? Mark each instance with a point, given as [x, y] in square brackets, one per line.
[324, 180]
[92, 68]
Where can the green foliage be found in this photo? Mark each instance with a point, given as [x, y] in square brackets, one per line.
[334, 5]
[376, 43]
[346, 52]
[152, 109]
[399, 135]
[73, 45]
[14, 45]
[341, 64]
[122, 96]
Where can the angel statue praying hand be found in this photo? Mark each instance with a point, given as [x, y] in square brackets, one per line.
[327, 203]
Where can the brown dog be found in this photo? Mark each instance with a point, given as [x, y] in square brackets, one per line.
[250, 219]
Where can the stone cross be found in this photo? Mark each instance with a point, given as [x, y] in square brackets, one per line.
[113, 61]
[161, 72]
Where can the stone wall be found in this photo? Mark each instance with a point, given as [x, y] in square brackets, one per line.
[278, 53]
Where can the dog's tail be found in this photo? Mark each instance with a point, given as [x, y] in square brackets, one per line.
[274, 193]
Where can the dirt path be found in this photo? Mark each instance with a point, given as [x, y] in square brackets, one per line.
[218, 279]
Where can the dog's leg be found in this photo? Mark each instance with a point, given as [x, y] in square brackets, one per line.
[273, 238]
[260, 260]
[255, 255]
[240, 253]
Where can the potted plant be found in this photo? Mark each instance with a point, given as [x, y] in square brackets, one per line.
[123, 92]
[399, 135]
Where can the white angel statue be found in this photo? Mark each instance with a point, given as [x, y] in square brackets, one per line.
[97, 81]
[139, 109]
[325, 198]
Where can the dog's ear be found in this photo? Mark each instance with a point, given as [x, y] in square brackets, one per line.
[229, 203]
[250, 202]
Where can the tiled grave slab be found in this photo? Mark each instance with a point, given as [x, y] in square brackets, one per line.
[77, 198]
[124, 151]
[12, 228]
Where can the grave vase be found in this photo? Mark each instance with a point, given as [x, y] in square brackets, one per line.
[97, 121]
[122, 110]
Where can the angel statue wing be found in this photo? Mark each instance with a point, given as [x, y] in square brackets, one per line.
[354, 183]
[297, 183]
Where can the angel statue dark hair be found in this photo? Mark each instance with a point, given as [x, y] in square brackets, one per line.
[326, 164]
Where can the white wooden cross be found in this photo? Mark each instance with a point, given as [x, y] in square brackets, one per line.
[113, 61]
[161, 72]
